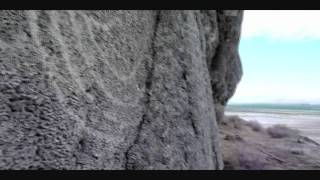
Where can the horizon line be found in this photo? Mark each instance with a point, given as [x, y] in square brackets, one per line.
[284, 103]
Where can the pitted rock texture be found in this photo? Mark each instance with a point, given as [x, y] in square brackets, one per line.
[115, 89]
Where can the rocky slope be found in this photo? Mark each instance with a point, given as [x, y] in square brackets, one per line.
[115, 89]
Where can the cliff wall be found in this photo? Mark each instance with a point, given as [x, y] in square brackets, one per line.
[115, 89]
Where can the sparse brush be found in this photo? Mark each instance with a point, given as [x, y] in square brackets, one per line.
[297, 151]
[251, 160]
[230, 137]
[255, 126]
[235, 121]
[281, 131]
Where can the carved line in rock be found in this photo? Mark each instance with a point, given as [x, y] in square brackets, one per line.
[60, 95]
[81, 123]
[107, 27]
[99, 81]
[32, 16]
[100, 84]
[101, 53]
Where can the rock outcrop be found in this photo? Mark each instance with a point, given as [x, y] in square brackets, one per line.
[115, 89]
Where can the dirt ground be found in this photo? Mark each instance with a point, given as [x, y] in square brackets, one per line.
[247, 147]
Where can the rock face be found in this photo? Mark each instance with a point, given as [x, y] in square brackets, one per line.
[115, 89]
[225, 67]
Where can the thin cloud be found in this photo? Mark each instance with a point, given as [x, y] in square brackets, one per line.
[281, 24]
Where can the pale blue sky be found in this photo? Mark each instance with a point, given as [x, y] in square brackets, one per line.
[280, 54]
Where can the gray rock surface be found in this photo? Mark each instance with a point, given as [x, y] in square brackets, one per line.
[225, 67]
[115, 89]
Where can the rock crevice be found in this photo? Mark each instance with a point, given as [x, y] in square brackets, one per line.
[150, 66]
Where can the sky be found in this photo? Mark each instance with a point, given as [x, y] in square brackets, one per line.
[280, 55]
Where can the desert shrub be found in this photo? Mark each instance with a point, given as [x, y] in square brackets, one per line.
[235, 137]
[235, 121]
[249, 159]
[255, 125]
[281, 131]
[297, 151]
